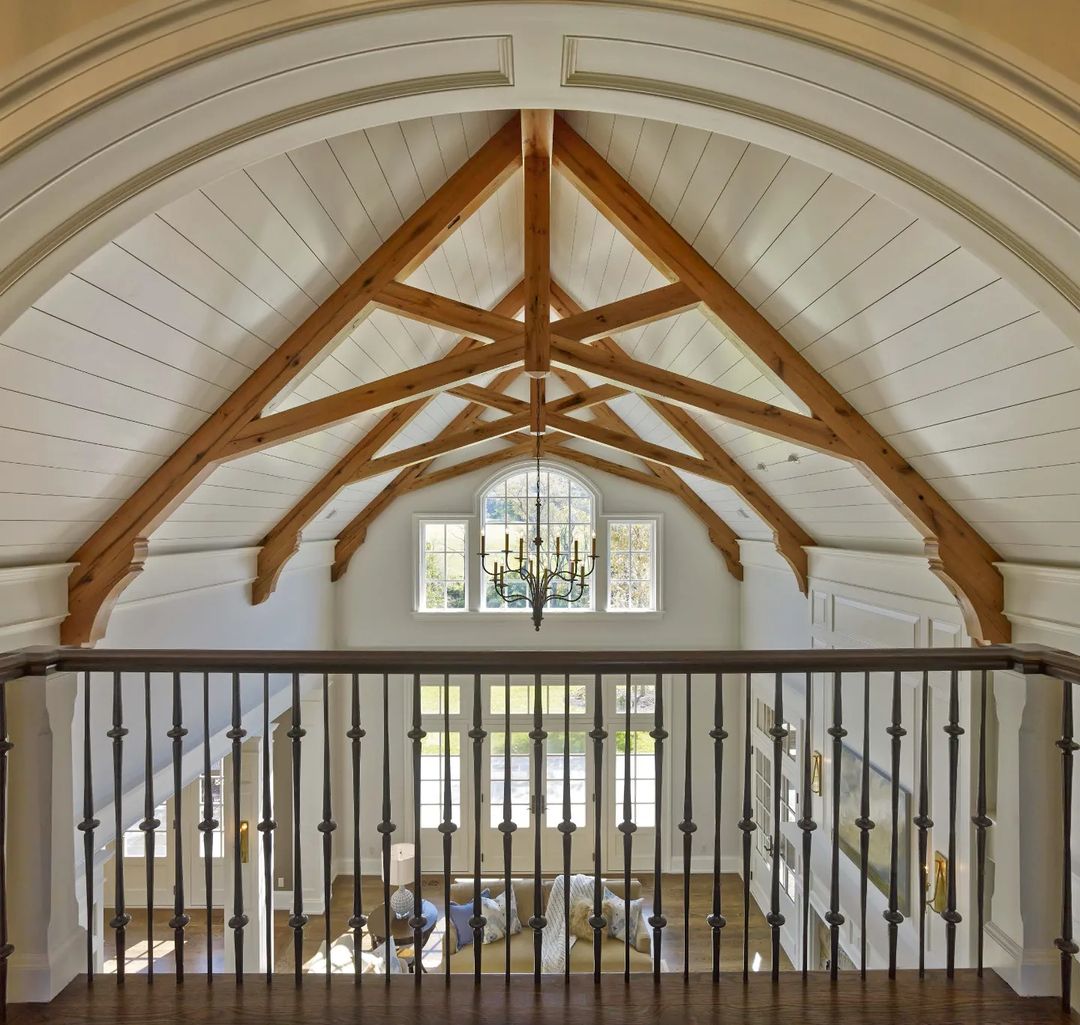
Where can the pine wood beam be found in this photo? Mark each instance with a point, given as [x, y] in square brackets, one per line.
[724, 539]
[536, 136]
[437, 310]
[283, 539]
[658, 304]
[111, 558]
[493, 399]
[289, 424]
[656, 383]
[957, 555]
[790, 539]
[516, 450]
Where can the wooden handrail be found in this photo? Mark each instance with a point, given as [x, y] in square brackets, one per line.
[1027, 659]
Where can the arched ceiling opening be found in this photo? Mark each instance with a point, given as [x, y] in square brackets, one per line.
[164, 243]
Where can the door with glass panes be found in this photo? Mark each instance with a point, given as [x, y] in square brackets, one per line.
[510, 772]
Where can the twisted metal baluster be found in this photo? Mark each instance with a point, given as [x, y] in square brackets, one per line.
[207, 827]
[778, 733]
[687, 827]
[447, 827]
[180, 919]
[121, 918]
[327, 825]
[657, 919]
[358, 919]
[538, 921]
[954, 731]
[86, 827]
[892, 915]
[507, 826]
[566, 827]
[806, 821]
[747, 826]
[297, 920]
[716, 920]
[627, 828]
[982, 823]
[238, 920]
[148, 826]
[864, 824]
[417, 921]
[833, 918]
[267, 825]
[922, 821]
[1067, 746]
[477, 922]
[386, 827]
[598, 735]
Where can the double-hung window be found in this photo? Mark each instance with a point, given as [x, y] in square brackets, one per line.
[443, 565]
[631, 552]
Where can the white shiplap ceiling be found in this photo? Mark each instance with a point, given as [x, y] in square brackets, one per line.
[126, 356]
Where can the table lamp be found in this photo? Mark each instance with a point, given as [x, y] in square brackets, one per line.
[402, 873]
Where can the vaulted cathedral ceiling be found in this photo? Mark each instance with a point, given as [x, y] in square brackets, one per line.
[124, 359]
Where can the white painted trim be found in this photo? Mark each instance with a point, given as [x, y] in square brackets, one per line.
[1035, 571]
[1070, 630]
[21, 574]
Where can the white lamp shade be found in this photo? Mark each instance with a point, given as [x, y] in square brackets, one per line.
[402, 864]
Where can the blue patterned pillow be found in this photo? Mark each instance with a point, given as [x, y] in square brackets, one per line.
[495, 913]
[460, 914]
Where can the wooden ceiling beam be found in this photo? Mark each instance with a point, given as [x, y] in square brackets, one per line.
[790, 539]
[723, 538]
[508, 404]
[111, 558]
[438, 311]
[651, 381]
[289, 424]
[536, 136]
[624, 314]
[283, 539]
[956, 553]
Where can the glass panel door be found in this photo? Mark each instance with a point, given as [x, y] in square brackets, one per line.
[509, 771]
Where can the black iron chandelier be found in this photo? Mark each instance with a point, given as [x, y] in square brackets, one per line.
[548, 576]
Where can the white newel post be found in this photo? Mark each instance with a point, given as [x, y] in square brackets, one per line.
[251, 869]
[43, 907]
[1025, 841]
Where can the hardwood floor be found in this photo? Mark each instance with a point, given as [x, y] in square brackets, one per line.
[966, 1000]
[315, 960]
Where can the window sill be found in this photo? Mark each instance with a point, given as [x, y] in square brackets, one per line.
[488, 615]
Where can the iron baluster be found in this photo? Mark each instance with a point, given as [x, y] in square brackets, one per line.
[627, 827]
[87, 827]
[982, 823]
[778, 732]
[716, 920]
[1068, 747]
[267, 825]
[447, 826]
[297, 920]
[357, 920]
[148, 826]
[507, 825]
[598, 735]
[478, 921]
[538, 921]
[417, 921]
[207, 825]
[180, 918]
[657, 919]
[238, 920]
[566, 827]
[747, 826]
[833, 918]
[922, 821]
[892, 915]
[327, 825]
[6, 946]
[864, 824]
[121, 918]
[806, 821]
[386, 826]
[951, 916]
[687, 826]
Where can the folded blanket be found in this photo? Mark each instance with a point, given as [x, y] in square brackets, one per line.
[553, 951]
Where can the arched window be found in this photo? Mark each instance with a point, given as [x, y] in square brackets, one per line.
[568, 511]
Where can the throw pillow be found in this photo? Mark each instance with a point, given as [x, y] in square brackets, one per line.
[618, 926]
[499, 923]
[460, 914]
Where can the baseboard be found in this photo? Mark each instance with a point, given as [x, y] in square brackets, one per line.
[39, 978]
[283, 901]
[1030, 973]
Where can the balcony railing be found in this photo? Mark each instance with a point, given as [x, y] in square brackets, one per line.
[169, 679]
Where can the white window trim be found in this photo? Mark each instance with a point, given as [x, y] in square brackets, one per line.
[656, 519]
[419, 521]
